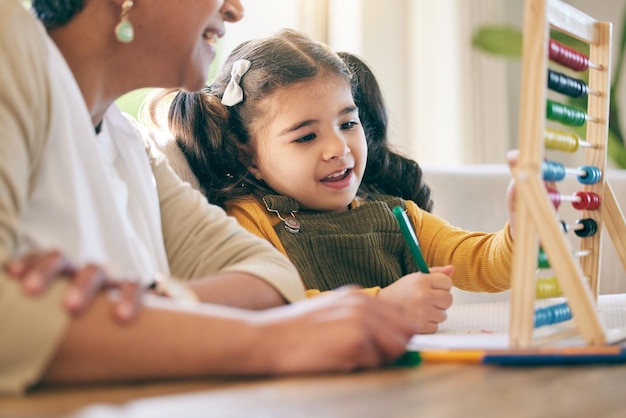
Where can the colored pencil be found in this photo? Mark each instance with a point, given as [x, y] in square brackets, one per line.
[411, 239]
[542, 356]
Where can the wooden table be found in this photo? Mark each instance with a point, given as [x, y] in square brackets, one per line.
[429, 390]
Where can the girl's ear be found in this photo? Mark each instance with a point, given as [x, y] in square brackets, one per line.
[248, 159]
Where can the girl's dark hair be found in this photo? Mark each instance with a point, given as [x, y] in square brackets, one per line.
[213, 137]
[387, 171]
[55, 13]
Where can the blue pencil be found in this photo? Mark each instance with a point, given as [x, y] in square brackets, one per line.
[411, 239]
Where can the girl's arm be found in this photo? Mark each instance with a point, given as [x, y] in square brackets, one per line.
[482, 261]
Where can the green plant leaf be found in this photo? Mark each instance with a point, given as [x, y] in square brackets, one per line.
[616, 150]
[617, 75]
[499, 40]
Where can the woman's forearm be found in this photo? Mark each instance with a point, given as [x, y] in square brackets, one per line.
[165, 341]
[339, 331]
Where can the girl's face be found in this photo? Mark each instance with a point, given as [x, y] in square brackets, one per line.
[181, 39]
[310, 144]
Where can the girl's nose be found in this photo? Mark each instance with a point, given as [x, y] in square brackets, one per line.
[336, 148]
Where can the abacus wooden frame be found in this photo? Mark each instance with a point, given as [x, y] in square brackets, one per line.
[536, 218]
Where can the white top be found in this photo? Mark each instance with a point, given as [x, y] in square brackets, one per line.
[99, 225]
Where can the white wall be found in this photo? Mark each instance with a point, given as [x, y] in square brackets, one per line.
[449, 104]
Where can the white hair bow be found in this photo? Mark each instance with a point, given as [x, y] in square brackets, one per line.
[233, 93]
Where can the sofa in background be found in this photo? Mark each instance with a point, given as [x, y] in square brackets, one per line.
[473, 197]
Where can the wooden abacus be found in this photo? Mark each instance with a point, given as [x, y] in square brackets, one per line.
[537, 227]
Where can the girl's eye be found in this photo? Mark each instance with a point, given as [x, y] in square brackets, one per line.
[306, 138]
[349, 125]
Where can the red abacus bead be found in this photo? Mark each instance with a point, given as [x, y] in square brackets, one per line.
[555, 197]
[567, 57]
[588, 201]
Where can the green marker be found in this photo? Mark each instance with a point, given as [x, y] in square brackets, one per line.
[410, 238]
[409, 359]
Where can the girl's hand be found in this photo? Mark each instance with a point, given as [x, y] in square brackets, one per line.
[37, 270]
[511, 159]
[423, 298]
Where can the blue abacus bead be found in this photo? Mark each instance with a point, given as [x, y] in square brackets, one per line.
[552, 315]
[543, 317]
[592, 174]
[562, 313]
[540, 318]
[590, 227]
[552, 171]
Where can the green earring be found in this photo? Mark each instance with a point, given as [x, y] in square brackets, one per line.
[124, 31]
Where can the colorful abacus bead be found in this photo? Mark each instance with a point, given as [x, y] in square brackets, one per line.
[552, 315]
[584, 227]
[566, 85]
[564, 114]
[567, 57]
[552, 171]
[555, 171]
[586, 201]
[548, 287]
[581, 200]
[592, 174]
[555, 198]
[544, 263]
[559, 140]
[542, 260]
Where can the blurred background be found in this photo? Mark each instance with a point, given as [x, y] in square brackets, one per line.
[450, 102]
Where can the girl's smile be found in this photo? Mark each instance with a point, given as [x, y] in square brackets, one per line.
[340, 179]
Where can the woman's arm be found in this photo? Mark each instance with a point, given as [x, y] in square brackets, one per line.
[338, 332]
[235, 267]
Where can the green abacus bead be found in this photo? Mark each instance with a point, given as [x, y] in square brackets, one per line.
[542, 260]
[564, 114]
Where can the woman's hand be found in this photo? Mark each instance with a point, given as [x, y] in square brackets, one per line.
[342, 330]
[423, 298]
[37, 270]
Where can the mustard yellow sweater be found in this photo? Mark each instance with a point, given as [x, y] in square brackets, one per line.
[368, 242]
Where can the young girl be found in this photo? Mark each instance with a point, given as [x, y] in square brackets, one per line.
[277, 140]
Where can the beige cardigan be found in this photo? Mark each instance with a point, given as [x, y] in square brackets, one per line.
[199, 238]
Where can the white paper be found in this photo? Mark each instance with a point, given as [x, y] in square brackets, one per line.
[485, 325]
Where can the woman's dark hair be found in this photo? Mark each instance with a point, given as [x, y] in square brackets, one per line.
[387, 171]
[55, 13]
[213, 136]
